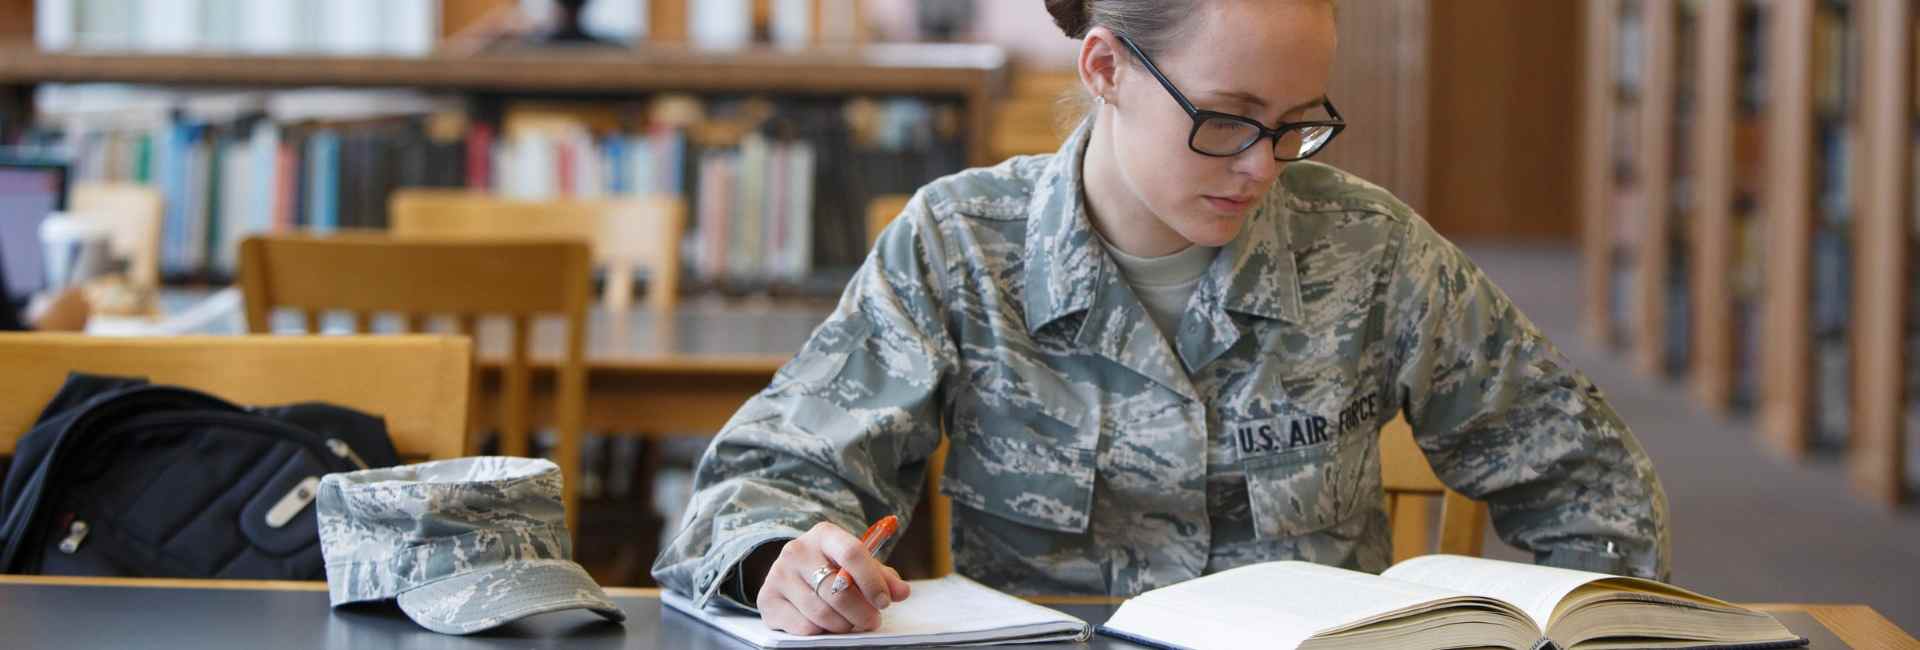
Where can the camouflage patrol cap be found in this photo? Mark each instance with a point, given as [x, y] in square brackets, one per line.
[464, 545]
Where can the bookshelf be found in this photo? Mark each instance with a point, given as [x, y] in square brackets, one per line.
[873, 119]
[1617, 122]
[1809, 135]
[972, 73]
[1715, 338]
[1597, 110]
[1879, 458]
[1788, 197]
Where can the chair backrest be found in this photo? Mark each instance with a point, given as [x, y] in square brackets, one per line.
[1409, 482]
[417, 383]
[626, 234]
[882, 210]
[132, 214]
[370, 274]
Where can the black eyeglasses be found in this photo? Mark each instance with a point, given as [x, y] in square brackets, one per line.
[1223, 135]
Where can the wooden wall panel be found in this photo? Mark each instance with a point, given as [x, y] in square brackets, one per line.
[1505, 89]
[1380, 84]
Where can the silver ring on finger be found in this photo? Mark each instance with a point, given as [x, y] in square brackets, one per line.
[818, 576]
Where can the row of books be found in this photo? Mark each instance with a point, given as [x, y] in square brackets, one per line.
[1834, 58]
[225, 180]
[777, 199]
[753, 206]
[404, 27]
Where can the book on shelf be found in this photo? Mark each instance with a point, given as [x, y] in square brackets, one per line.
[787, 203]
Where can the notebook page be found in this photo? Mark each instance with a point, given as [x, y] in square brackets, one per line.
[952, 609]
[1536, 590]
[1279, 604]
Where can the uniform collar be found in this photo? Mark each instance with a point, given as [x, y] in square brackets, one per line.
[1068, 271]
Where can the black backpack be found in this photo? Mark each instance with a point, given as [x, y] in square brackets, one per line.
[122, 478]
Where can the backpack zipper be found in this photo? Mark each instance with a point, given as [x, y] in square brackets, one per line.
[345, 452]
[76, 533]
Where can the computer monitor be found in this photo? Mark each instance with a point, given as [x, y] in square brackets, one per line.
[30, 189]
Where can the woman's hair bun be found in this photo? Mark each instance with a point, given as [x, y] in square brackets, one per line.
[1072, 16]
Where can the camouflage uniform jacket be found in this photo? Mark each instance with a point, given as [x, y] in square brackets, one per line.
[1090, 454]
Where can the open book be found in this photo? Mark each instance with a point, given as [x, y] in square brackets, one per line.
[1437, 601]
[946, 611]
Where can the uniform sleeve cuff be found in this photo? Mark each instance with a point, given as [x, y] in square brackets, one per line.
[1584, 560]
[720, 574]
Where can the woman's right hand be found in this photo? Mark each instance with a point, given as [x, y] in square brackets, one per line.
[788, 603]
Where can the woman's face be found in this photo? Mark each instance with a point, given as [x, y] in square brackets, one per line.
[1262, 59]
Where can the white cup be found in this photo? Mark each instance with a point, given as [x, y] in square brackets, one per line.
[74, 251]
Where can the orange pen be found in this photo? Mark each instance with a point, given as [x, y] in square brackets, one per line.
[876, 535]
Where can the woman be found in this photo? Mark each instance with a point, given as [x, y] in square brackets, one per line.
[1161, 352]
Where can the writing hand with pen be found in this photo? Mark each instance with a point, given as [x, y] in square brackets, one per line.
[827, 582]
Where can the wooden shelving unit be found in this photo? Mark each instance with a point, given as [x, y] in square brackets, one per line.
[1877, 453]
[1622, 308]
[1716, 106]
[1659, 112]
[973, 73]
[1793, 200]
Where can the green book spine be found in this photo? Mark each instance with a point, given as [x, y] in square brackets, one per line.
[143, 160]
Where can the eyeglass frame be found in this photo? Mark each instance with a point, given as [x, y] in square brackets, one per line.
[1200, 116]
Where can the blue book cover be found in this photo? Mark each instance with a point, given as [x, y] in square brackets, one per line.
[613, 158]
[323, 174]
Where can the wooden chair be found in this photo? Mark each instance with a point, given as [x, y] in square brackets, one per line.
[368, 274]
[132, 214]
[881, 211]
[418, 383]
[1410, 482]
[626, 234]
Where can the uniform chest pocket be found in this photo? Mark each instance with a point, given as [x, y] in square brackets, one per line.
[1302, 492]
[1027, 467]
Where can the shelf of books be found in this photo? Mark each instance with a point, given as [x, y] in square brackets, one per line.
[1883, 466]
[1758, 234]
[1660, 237]
[1615, 182]
[1717, 189]
[777, 153]
[1726, 165]
[1812, 131]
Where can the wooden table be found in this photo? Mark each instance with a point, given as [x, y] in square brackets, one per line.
[683, 372]
[678, 373]
[66, 612]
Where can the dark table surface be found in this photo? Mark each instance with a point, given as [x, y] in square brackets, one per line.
[69, 617]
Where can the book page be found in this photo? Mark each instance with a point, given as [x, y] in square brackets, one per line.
[949, 610]
[1536, 590]
[1279, 604]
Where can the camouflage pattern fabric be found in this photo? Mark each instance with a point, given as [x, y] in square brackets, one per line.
[1092, 455]
[464, 545]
